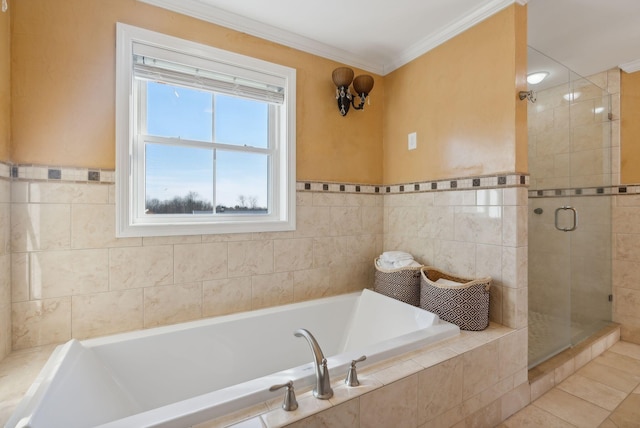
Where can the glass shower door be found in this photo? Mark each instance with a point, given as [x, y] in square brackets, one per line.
[569, 212]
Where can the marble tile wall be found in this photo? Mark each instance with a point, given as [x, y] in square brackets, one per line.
[71, 278]
[5, 268]
[472, 233]
[626, 266]
[572, 142]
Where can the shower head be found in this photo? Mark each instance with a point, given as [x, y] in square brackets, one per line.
[530, 95]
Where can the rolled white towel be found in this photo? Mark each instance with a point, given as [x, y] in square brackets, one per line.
[394, 256]
[406, 263]
[383, 264]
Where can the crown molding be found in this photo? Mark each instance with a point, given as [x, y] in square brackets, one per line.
[425, 45]
[206, 12]
[631, 67]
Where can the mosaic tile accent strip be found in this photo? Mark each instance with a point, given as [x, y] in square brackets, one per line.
[587, 191]
[53, 173]
[471, 183]
[92, 175]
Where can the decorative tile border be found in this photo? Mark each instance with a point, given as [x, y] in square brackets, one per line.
[90, 175]
[52, 173]
[586, 191]
[467, 183]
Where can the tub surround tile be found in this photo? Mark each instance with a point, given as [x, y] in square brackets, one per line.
[342, 392]
[41, 322]
[171, 304]
[171, 240]
[199, 262]
[330, 252]
[307, 406]
[394, 405]
[292, 254]
[345, 415]
[433, 357]
[480, 367]
[516, 399]
[93, 226]
[271, 290]
[439, 389]
[38, 227]
[65, 273]
[512, 353]
[19, 277]
[226, 296]
[17, 372]
[93, 314]
[398, 371]
[140, 267]
[250, 258]
[77, 193]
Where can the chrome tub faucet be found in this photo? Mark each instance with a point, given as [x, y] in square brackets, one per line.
[322, 390]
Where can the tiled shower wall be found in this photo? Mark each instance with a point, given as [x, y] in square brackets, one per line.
[626, 266]
[72, 279]
[472, 233]
[572, 142]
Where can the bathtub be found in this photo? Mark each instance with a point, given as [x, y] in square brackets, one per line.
[184, 374]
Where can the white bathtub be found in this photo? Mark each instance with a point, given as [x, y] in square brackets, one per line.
[180, 375]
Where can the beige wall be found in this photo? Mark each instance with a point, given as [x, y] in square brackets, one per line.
[64, 67]
[630, 127]
[5, 81]
[461, 99]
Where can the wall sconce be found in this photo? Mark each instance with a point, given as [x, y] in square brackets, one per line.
[362, 85]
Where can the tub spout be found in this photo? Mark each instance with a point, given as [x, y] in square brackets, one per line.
[322, 389]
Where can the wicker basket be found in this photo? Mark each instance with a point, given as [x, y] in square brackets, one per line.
[466, 304]
[402, 284]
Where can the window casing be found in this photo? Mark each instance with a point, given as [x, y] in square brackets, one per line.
[178, 169]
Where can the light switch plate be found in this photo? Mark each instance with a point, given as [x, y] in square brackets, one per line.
[413, 141]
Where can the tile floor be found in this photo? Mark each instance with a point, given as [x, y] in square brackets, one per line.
[604, 393]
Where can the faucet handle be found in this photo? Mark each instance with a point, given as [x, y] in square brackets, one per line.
[352, 376]
[290, 402]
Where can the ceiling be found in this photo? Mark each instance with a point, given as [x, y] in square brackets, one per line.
[588, 36]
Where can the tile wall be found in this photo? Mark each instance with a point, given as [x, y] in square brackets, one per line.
[472, 233]
[626, 265]
[72, 279]
[572, 141]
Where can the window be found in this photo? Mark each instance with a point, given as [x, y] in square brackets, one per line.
[205, 139]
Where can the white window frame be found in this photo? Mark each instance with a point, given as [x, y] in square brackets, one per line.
[130, 219]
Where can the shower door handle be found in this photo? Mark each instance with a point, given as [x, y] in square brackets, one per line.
[575, 219]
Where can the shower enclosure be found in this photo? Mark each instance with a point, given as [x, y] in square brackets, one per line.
[569, 209]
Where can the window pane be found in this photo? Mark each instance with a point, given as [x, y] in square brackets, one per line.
[174, 111]
[241, 183]
[241, 122]
[178, 180]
